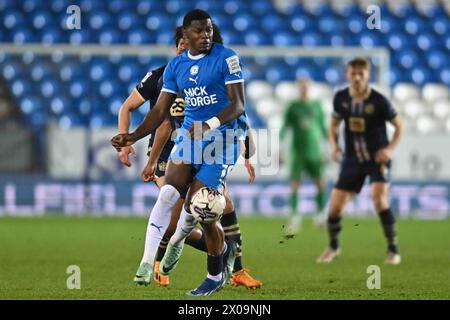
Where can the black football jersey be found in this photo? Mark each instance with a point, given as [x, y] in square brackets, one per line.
[365, 124]
[149, 88]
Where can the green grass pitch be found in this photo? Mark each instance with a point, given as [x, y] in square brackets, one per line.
[35, 253]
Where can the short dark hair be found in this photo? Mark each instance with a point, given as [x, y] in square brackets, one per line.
[359, 62]
[217, 35]
[178, 35]
[195, 14]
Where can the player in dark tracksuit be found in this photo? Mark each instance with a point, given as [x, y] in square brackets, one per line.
[368, 152]
[159, 148]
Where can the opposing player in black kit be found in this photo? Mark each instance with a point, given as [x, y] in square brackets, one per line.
[368, 152]
[160, 146]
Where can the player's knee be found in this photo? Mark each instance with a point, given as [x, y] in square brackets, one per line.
[380, 203]
[335, 211]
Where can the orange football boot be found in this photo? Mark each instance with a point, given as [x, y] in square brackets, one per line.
[160, 279]
[242, 278]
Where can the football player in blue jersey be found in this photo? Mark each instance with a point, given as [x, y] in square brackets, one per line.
[210, 79]
[160, 146]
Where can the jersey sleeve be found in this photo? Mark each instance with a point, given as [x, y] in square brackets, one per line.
[337, 107]
[389, 112]
[148, 87]
[232, 68]
[169, 79]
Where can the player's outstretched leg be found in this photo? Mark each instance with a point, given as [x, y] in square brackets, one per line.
[215, 240]
[380, 199]
[339, 199]
[295, 219]
[177, 177]
[241, 276]
[320, 219]
[186, 224]
[161, 279]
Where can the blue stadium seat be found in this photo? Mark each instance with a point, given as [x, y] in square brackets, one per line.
[286, 38]
[441, 26]
[436, 59]
[82, 36]
[112, 36]
[273, 22]
[420, 76]
[261, 8]
[444, 75]
[329, 24]
[426, 41]
[99, 21]
[242, 22]
[399, 41]
[413, 25]
[300, 23]
[256, 37]
[419, 43]
[408, 59]
[50, 36]
[70, 120]
[233, 37]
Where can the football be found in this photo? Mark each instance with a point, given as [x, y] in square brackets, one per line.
[207, 205]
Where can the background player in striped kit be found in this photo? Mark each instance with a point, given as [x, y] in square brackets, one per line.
[368, 152]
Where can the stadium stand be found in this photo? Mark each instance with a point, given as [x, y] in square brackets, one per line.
[89, 90]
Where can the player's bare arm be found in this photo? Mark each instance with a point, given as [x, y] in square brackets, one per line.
[134, 101]
[385, 154]
[333, 136]
[152, 120]
[162, 135]
[235, 92]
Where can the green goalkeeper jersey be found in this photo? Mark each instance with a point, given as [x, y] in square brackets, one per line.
[306, 119]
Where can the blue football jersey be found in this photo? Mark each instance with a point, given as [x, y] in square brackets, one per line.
[202, 80]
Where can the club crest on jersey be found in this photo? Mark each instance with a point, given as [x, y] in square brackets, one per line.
[194, 70]
[369, 109]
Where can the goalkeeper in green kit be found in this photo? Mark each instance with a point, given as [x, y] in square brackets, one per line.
[306, 119]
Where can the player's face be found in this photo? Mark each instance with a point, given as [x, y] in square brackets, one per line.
[304, 88]
[199, 36]
[358, 77]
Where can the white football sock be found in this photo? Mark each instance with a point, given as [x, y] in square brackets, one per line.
[215, 278]
[159, 221]
[186, 223]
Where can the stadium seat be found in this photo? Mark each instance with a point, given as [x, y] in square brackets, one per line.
[267, 108]
[445, 75]
[320, 91]
[435, 91]
[436, 59]
[441, 108]
[425, 124]
[286, 91]
[416, 34]
[413, 108]
[405, 91]
[447, 125]
[259, 90]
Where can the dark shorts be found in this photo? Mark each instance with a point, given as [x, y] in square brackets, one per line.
[352, 175]
[161, 167]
